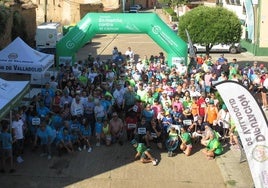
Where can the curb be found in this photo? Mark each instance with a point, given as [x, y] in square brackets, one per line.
[234, 173]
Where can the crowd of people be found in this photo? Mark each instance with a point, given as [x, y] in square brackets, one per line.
[139, 100]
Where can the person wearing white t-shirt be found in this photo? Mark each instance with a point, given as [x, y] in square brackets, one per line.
[77, 108]
[118, 96]
[130, 54]
[18, 136]
[140, 66]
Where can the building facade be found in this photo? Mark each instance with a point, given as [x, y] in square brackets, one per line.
[254, 19]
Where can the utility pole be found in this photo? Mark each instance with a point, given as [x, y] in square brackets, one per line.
[123, 6]
[45, 14]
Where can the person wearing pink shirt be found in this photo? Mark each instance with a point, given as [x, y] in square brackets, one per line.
[207, 79]
[178, 103]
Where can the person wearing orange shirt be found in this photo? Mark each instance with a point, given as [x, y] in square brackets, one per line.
[211, 113]
[195, 107]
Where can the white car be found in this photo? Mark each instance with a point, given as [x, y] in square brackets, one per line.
[138, 7]
[232, 48]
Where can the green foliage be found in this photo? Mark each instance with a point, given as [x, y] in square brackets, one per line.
[210, 26]
[179, 2]
[171, 12]
[18, 27]
[4, 15]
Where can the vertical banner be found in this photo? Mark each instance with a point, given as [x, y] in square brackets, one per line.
[190, 44]
[250, 19]
[252, 128]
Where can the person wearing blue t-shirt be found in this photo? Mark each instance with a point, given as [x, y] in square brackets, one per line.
[85, 134]
[6, 147]
[46, 135]
[42, 110]
[56, 121]
[98, 130]
[75, 139]
[65, 142]
[148, 113]
[75, 124]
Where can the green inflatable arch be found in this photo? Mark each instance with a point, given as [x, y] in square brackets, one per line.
[109, 23]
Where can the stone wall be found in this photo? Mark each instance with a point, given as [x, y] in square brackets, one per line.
[28, 15]
[66, 12]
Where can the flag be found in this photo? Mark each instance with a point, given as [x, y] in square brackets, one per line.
[251, 124]
[190, 45]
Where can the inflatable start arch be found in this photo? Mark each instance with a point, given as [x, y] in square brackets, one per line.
[109, 23]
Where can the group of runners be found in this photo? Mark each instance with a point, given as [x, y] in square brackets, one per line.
[140, 100]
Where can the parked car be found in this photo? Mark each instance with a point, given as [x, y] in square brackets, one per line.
[133, 10]
[231, 48]
[138, 6]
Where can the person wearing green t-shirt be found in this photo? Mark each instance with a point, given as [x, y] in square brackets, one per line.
[213, 148]
[83, 80]
[186, 145]
[143, 153]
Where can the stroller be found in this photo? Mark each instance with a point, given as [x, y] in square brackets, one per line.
[173, 141]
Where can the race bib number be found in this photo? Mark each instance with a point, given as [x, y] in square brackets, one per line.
[153, 135]
[203, 105]
[142, 130]
[78, 111]
[131, 126]
[135, 108]
[36, 121]
[187, 122]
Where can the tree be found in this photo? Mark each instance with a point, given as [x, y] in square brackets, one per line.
[173, 2]
[210, 25]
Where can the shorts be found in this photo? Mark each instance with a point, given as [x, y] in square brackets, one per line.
[190, 146]
[143, 156]
[108, 137]
[264, 90]
[98, 129]
[6, 153]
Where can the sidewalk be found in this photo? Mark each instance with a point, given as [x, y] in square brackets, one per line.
[234, 173]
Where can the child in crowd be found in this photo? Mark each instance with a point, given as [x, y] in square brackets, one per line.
[65, 142]
[233, 134]
[18, 136]
[143, 153]
[172, 142]
[6, 147]
[76, 140]
[85, 134]
[106, 133]
[186, 145]
[98, 130]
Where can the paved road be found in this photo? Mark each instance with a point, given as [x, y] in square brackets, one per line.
[143, 45]
[114, 167]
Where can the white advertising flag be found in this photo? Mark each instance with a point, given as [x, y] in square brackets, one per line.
[252, 128]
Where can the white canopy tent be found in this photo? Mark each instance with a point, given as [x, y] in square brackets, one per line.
[18, 57]
[11, 92]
